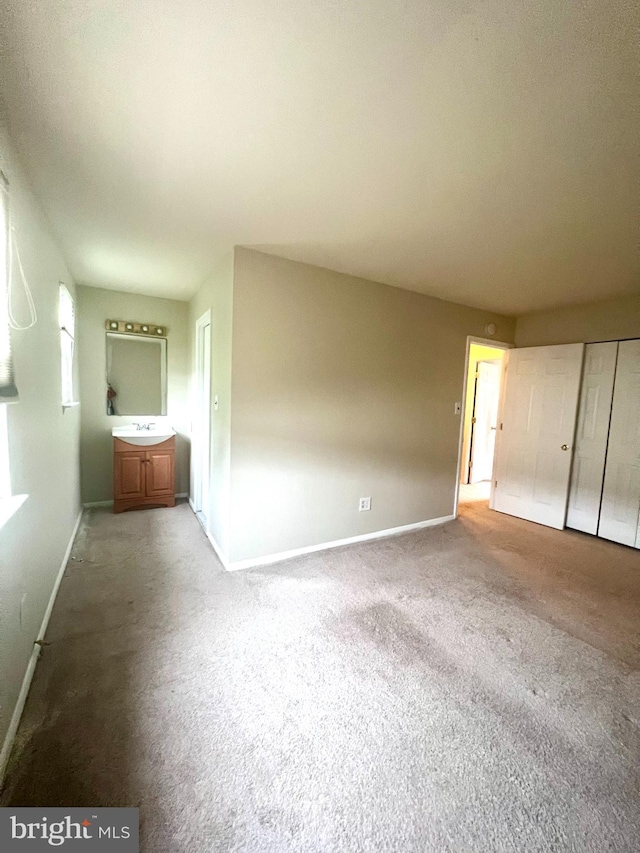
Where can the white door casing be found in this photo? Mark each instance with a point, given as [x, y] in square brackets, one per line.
[485, 414]
[200, 456]
[538, 416]
[621, 492]
[592, 433]
[205, 447]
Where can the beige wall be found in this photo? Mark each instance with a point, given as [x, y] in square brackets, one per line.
[95, 306]
[615, 319]
[216, 295]
[342, 388]
[43, 445]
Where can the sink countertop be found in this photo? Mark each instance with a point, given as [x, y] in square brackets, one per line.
[142, 437]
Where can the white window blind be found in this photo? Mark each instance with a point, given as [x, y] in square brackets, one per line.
[8, 390]
[67, 337]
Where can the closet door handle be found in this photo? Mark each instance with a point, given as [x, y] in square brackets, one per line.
[564, 447]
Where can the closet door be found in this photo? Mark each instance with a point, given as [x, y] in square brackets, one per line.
[621, 495]
[592, 432]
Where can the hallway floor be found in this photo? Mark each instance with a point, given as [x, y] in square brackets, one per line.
[471, 492]
[468, 687]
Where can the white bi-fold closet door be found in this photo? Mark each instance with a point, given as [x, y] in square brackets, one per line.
[605, 482]
[592, 436]
[621, 490]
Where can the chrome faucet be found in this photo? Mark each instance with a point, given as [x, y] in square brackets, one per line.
[140, 427]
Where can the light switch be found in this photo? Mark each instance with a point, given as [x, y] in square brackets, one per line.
[215, 403]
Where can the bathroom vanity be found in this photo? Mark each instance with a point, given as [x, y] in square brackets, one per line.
[143, 468]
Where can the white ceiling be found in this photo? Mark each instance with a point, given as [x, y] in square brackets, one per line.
[484, 153]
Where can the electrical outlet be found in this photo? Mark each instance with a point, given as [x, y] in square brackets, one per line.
[457, 408]
[364, 505]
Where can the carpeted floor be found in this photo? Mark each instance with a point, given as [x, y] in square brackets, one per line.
[470, 687]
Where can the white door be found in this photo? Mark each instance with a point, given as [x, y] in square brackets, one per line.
[621, 493]
[202, 426]
[533, 460]
[484, 422]
[592, 433]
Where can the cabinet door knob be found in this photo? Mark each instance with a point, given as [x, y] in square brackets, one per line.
[564, 447]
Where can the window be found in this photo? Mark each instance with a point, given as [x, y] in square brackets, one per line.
[7, 386]
[8, 390]
[67, 336]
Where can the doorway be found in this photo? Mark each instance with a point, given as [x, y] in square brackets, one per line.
[201, 450]
[483, 373]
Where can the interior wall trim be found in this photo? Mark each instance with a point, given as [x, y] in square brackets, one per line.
[219, 552]
[233, 566]
[7, 746]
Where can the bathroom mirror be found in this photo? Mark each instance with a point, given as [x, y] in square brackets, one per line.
[136, 375]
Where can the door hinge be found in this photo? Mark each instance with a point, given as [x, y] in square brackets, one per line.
[473, 420]
[501, 425]
[495, 484]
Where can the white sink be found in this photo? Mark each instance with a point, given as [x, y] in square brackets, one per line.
[142, 437]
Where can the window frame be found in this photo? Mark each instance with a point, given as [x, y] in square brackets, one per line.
[8, 389]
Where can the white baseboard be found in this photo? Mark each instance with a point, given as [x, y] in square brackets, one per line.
[10, 737]
[324, 546]
[232, 566]
[225, 562]
[213, 542]
[7, 746]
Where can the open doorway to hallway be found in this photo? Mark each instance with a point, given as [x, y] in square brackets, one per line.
[480, 419]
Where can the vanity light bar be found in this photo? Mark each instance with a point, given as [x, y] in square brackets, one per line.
[135, 328]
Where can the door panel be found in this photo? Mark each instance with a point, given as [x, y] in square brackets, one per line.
[160, 472]
[592, 432]
[621, 493]
[129, 480]
[538, 418]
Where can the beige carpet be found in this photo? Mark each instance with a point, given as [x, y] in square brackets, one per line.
[472, 687]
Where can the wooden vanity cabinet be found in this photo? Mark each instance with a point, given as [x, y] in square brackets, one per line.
[143, 476]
